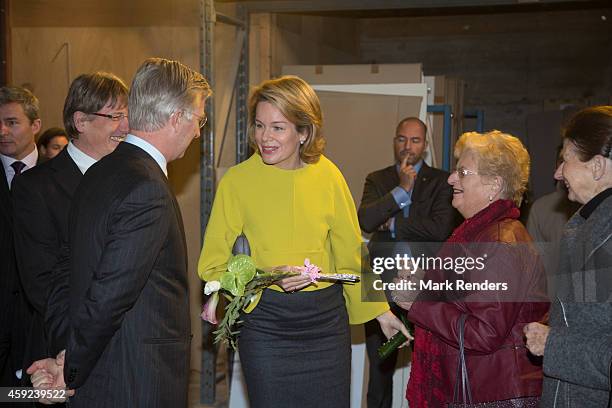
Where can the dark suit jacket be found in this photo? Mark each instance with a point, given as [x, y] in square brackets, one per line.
[41, 198]
[14, 312]
[431, 217]
[129, 328]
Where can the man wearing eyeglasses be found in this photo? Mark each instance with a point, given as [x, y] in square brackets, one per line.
[95, 117]
[408, 201]
[128, 339]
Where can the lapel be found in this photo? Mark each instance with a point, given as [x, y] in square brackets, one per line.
[583, 238]
[389, 179]
[421, 183]
[573, 228]
[6, 207]
[596, 229]
[65, 173]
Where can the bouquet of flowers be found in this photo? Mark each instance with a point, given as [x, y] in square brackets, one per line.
[241, 284]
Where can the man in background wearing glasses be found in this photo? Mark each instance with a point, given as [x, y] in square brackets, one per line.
[405, 202]
[95, 118]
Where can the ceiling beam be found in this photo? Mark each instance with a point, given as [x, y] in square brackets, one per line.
[336, 6]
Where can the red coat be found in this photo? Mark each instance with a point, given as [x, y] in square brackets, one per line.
[498, 363]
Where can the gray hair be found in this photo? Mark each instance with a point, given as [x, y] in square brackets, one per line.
[22, 96]
[160, 88]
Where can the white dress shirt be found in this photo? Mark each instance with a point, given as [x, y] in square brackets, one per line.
[82, 160]
[29, 161]
[150, 149]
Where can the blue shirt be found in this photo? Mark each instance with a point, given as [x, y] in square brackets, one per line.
[403, 198]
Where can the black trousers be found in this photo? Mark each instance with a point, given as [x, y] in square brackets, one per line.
[380, 383]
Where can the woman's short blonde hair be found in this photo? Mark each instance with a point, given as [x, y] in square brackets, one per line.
[299, 103]
[499, 154]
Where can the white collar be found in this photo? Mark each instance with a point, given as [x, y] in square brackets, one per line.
[29, 161]
[81, 159]
[150, 149]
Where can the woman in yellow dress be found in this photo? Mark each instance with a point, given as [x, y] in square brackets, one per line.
[292, 204]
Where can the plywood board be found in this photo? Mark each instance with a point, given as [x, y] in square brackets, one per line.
[359, 129]
[108, 13]
[118, 50]
[357, 74]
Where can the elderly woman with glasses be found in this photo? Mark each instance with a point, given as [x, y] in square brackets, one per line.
[482, 323]
[577, 342]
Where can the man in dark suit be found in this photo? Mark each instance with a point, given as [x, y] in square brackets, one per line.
[129, 328]
[19, 123]
[406, 202]
[42, 196]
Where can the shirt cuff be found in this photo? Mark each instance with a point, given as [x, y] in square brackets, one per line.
[402, 197]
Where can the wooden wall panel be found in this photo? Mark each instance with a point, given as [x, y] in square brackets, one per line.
[119, 50]
[357, 143]
[260, 47]
[107, 13]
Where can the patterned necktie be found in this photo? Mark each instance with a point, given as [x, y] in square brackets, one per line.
[18, 166]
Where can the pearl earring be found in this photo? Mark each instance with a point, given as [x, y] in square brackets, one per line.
[301, 142]
[490, 198]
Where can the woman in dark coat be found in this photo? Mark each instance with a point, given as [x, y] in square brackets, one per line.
[577, 342]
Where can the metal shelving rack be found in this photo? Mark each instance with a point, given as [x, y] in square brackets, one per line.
[208, 18]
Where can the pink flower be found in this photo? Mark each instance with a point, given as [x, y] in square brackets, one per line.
[312, 270]
[210, 309]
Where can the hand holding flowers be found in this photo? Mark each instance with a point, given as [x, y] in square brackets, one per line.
[241, 284]
[309, 273]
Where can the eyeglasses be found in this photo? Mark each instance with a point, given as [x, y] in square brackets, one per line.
[201, 119]
[115, 117]
[462, 172]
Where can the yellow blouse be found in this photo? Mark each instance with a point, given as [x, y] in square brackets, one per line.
[288, 216]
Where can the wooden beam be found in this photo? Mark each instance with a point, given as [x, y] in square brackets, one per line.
[389, 8]
[108, 13]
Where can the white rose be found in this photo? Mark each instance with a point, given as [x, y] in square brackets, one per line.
[212, 287]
